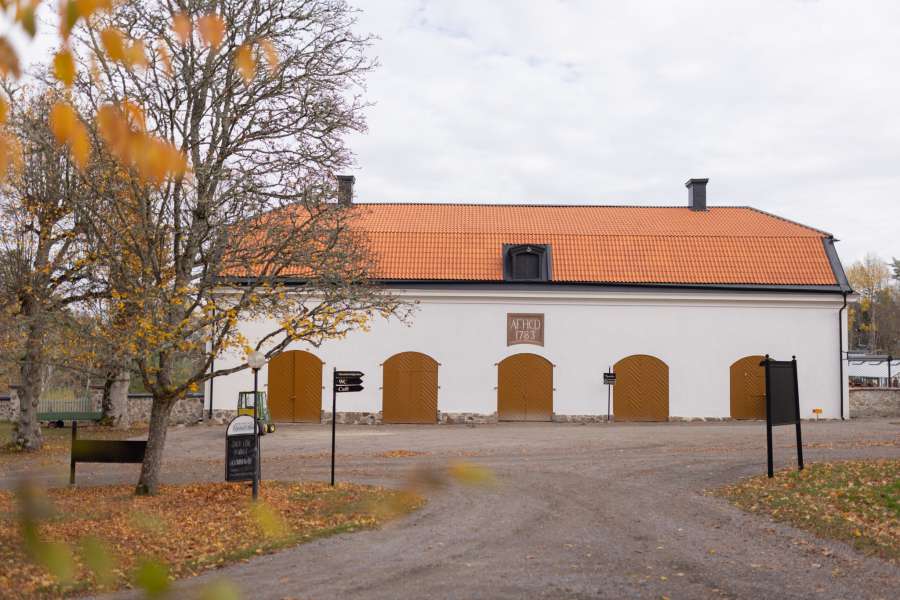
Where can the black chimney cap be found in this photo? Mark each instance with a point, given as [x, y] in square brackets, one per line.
[696, 193]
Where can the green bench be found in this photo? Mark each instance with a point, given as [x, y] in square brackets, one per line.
[67, 409]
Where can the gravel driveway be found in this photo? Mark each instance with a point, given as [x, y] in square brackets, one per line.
[579, 511]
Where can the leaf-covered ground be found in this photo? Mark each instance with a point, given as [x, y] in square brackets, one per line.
[103, 538]
[854, 501]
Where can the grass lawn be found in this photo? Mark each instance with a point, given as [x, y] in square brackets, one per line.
[855, 501]
[105, 538]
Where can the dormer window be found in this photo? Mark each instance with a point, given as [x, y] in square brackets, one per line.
[526, 262]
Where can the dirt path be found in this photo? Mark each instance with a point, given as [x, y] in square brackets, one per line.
[608, 511]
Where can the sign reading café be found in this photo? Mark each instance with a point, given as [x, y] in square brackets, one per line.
[525, 328]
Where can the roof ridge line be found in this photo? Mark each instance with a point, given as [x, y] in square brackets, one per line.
[539, 205]
[630, 235]
[791, 221]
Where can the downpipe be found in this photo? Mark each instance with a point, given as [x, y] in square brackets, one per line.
[841, 351]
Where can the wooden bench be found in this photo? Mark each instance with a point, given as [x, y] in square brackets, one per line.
[103, 451]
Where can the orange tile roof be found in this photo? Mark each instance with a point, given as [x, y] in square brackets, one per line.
[595, 244]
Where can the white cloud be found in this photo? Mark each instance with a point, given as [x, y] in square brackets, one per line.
[791, 107]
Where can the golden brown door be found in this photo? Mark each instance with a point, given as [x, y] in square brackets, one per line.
[641, 392]
[748, 388]
[281, 387]
[525, 388]
[307, 387]
[295, 387]
[410, 389]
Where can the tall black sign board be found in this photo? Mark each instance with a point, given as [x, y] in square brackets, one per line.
[609, 380]
[782, 403]
[341, 382]
[240, 449]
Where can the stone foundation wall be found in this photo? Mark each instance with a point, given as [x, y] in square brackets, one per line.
[874, 402]
[186, 411]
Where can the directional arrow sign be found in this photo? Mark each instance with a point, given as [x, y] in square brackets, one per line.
[347, 380]
[348, 374]
[348, 388]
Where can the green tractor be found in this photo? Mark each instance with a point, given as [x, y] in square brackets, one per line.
[245, 407]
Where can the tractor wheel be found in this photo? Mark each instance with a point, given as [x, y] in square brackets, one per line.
[271, 428]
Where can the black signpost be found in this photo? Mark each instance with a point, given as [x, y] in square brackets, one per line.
[241, 449]
[609, 380]
[782, 403]
[342, 381]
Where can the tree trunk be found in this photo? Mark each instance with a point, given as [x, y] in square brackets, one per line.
[27, 432]
[115, 399]
[148, 483]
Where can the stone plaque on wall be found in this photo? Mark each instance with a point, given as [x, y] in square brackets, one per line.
[525, 328]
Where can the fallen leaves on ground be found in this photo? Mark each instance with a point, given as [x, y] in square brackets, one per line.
[854, 501]
[400, 454]
[102, 538]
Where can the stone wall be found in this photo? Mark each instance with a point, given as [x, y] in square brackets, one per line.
[186, 411]
[874, 402]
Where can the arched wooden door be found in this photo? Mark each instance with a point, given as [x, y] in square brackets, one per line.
[410, 390]
[748, 388]
[525, 388]
[641, 392]
[295, 387]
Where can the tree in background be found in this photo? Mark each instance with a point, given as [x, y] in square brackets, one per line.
[875, 320]
[226, 184]
[47, 263]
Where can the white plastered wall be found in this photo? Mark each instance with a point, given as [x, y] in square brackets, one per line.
[698, 334]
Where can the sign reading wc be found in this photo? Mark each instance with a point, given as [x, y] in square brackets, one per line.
[525, 328]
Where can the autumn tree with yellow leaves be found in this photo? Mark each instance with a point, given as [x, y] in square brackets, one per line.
[227, 121]
[47, 265]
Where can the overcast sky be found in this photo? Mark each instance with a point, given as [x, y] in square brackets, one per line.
[792, 107]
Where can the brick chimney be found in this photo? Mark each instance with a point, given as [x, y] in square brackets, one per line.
[345, 189]
[696, 193]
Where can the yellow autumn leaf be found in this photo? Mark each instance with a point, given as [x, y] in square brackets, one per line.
[113, 129]
[135, 115]
[270, 53]
[135, 55]
[85, 8]
[245, 63]
[10, 155]
[164, 57]
[69, 130]
[181, 25]
[9, 59]
[212, 29]
[4, 110]
[64, 67]
[25, 15]
[113, 43]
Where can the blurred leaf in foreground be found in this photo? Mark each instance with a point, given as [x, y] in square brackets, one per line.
[153, 577]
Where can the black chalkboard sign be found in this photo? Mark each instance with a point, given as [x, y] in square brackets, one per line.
[782, 403]
[781, 379]
[240, 449]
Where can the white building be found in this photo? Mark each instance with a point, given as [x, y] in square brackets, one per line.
[523, 308]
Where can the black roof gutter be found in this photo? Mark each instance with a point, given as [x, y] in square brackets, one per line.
[598, 286]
